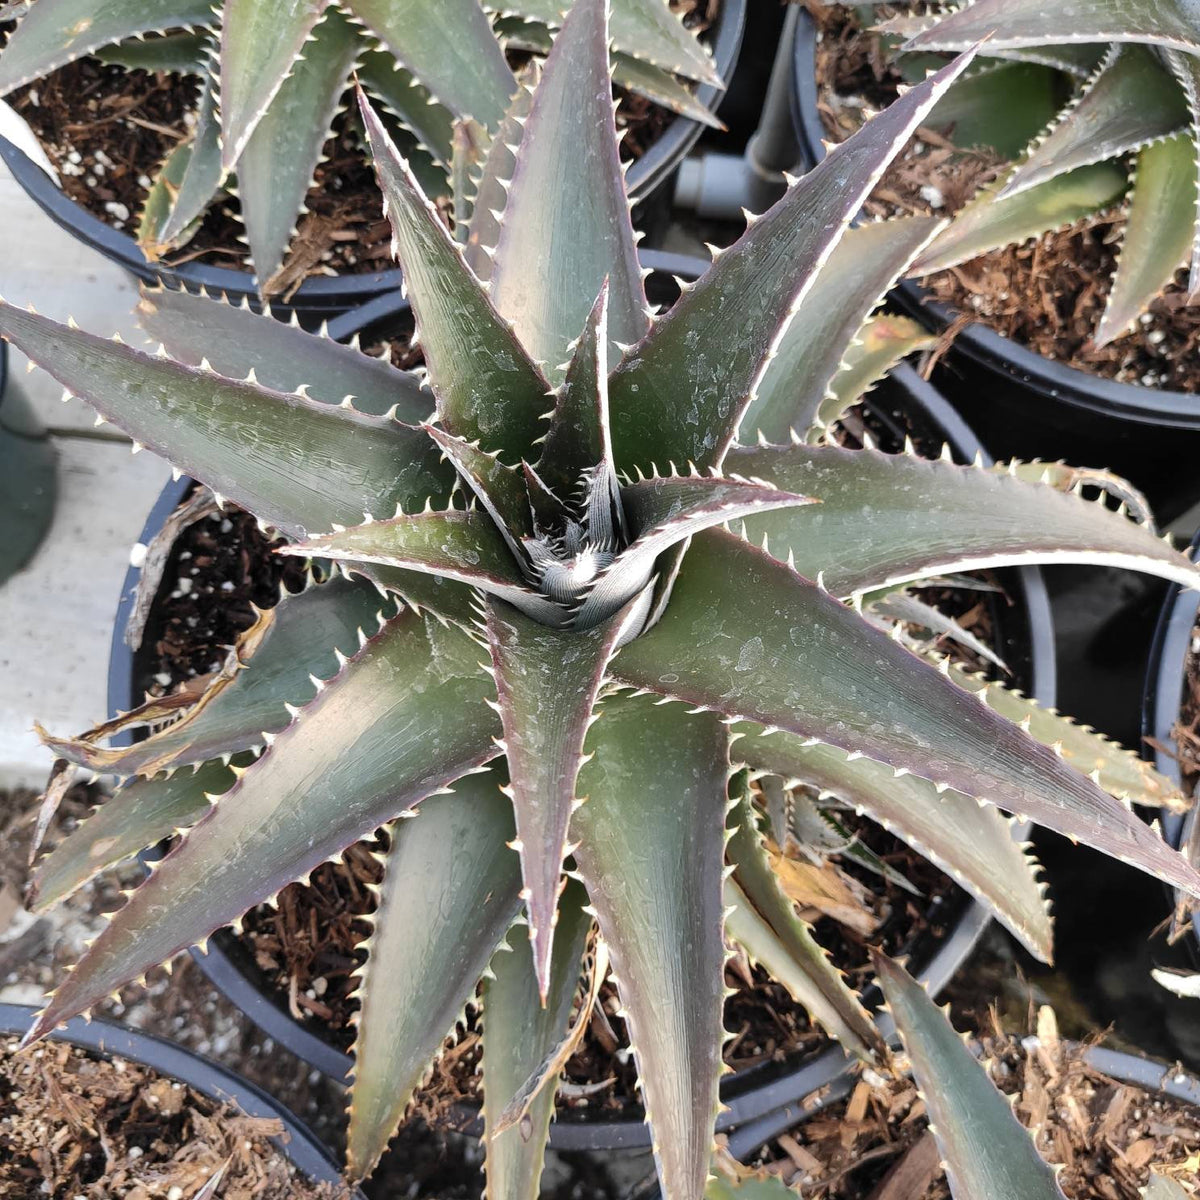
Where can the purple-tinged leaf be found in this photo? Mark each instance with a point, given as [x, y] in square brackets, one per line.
[283, 356]
[519, 1036]
[988, 1154]
[566, 227]
[799, 660]
[651, 851]
[449, 892]
[487, 388]
[260, 43]
[406, 716]
[679, 395]
[887, 519]
[296, 464]
[547, 681]
[56, 32]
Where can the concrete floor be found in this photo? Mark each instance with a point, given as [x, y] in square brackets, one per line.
[56, 615]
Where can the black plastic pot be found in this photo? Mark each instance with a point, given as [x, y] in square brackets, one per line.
[27, 476]
[1021, 404]
[299, 1145]
[321, 298]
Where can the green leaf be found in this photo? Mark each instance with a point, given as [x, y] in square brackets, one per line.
[547, 681]
[405, 717]
[991, 221]
[189, 186]
[863, 266]
[181, 53]
[651, 843]
[449, 892]
[299, 638]
[764, 921]
[519, 1035]
[887, 519]
[1010, 24]
[485, 384]
[679, 395]
[1079, 60]
[60, 31]
[988, 1154]
[469, 144]
[903, 606]
[882, 342]
[408, 100]
[798, 660]
[463, 546]
[1163, 1187]
[1132, 101]
[296, 464]
[276, 165]
[972, 843]
[450, 48]
[261, 41]
[566, 226]
[645, 29]
[767, 1187]
[1187, 70]
[284, 358]
[140, 814]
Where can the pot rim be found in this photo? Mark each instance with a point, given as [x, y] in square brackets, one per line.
[166, 1058]
[748, 1095]
[977, 343]
[332, 295]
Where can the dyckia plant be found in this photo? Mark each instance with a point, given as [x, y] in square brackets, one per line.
[582, 618]
[273, 72]
[1127, 133]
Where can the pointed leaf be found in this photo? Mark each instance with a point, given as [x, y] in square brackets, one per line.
[449, 46]
[1159, 232]
[1133, 100]
[260, 43]
[406, 98]
[185, 186]
[1187, 70]
[518, 1035]
[651, 839]
[765, 922]
[971, 842]
[486, 387]
[863, 266]
[566, 226]
[888, 519]
[449, 892]
[138, 815]
[646, 29]
[798, 660]
[283, 356]
[405, 717]
[1009, 24]
[990, 221]
[679, 395]
[183, 53]
[294, 463]
[988, 1154]
[55, 33]
[299, 638]
[500, 489]
[547, 681]
[903, 606]
[469, 144]
[276, 165]
[664, 511]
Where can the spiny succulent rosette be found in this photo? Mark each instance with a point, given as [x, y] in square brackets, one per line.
[273, 74]
[1097, 105]
[591, 607]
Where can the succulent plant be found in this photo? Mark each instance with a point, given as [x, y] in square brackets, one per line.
[553, 489]
[1099, 104]
[272, 76]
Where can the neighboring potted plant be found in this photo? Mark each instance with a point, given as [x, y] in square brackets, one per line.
[103, 1098]
[633, 653]
[1088, 151]
[437, 68]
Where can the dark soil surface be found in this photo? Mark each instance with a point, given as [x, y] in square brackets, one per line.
[73, 1125]
[876, 1144]
[107, 131]
[1047, 294]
